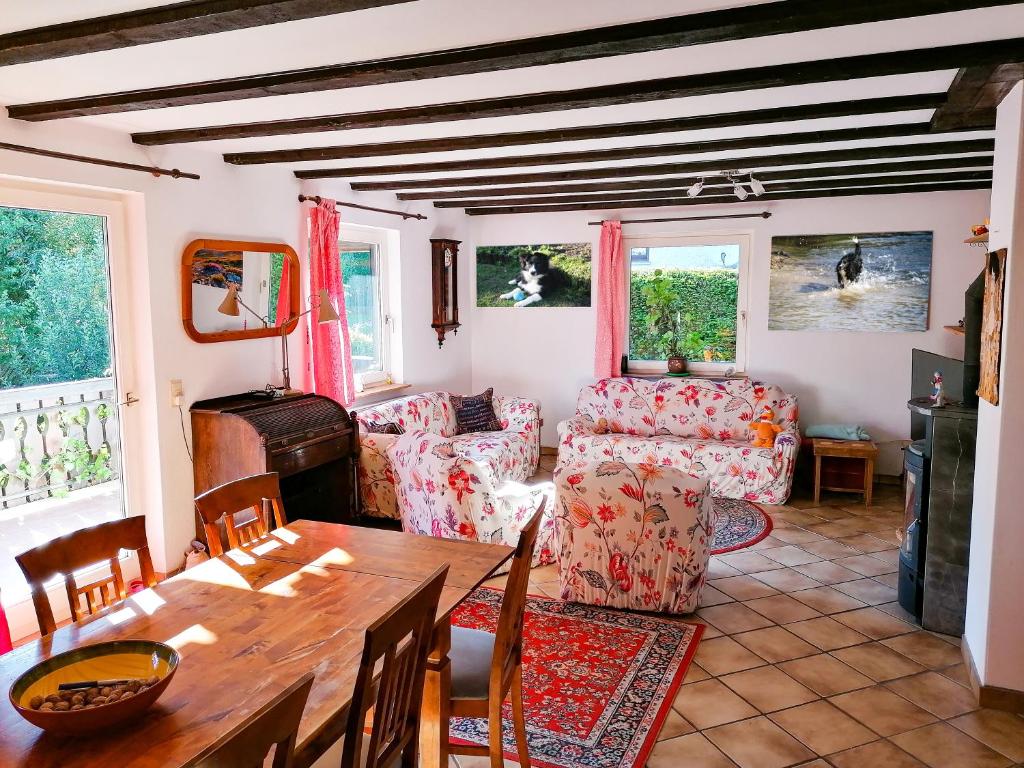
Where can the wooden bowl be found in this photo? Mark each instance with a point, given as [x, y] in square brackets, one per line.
[114, 660]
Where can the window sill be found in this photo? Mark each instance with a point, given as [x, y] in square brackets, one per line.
[372, 393]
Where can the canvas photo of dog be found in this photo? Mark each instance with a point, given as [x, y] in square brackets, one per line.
[533, 275]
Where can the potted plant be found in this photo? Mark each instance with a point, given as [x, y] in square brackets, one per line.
[668, 325]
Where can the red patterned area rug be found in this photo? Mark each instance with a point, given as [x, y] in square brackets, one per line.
[598, 683]
[739, 524]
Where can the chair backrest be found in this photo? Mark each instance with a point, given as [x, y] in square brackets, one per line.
[508, 642]
[80, 549]
[402, 639]
[276, 723]
[705, 409]
[429, 411]
[246, 494]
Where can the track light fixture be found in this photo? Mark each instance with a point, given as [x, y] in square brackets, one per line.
[696, 188]
[756, 186]
[738, 189]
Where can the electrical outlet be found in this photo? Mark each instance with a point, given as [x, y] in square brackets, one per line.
[177, 393]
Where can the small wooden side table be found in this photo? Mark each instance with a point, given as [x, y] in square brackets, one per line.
[849, 466]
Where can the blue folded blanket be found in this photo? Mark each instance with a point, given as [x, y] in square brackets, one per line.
[838, 432]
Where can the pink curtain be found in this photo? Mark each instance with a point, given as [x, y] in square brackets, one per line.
[611, 302]
[332, 351]
[283, 293]
[5, 633]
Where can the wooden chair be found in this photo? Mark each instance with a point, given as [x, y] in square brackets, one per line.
[75, 551]
[276, 723]
[487, 667]
[247, 494]
[402, 638]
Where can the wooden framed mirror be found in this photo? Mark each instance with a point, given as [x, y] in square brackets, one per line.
[232, 289]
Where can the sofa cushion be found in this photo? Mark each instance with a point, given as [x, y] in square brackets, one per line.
[504, 454]
[384, 428]
[475, 413]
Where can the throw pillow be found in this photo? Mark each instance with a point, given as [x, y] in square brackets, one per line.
[385, 428]
[475, 413]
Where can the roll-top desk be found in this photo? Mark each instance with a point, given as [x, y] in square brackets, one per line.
[310, 440]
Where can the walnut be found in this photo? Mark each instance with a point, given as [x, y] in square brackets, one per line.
[53, 698]
[46, 706]
[114, 696]
[36, 702]
[90, 693]
[61, 706]
[76, 706]
[126, 695]
[150, 682]
[78, 698]
[106, 690]
[99, 700]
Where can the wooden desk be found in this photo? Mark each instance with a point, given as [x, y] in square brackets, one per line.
[848, 455]
[246, 626]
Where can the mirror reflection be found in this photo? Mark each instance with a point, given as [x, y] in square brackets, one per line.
[238, 290]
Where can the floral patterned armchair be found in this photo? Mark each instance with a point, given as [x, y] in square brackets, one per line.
[469, 487]
[517, 447]
[632, 535]
[700, 426]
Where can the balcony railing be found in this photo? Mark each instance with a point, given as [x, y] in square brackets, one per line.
[56, 438]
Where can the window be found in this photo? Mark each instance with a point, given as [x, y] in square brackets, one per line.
[364, 261]
[701, 283]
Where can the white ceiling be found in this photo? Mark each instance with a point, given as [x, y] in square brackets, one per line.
[426, 25]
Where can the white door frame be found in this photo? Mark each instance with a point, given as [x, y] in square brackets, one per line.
[113, 207]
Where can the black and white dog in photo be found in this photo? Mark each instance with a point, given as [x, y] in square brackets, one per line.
[536, 275]
[850, 266]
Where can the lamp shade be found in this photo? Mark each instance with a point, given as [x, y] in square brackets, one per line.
[230, 304]
[326, 313]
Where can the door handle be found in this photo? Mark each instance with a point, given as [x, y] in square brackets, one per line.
[129, 400]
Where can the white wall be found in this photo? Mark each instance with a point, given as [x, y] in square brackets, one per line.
[859, 378]
[229, 203]
[993, 630]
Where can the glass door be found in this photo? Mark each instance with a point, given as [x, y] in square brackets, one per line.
[61, 403]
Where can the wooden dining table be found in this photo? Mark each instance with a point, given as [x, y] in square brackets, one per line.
[247, 625]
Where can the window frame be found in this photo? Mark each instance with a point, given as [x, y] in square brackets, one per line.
[742, 238]
[355, 234]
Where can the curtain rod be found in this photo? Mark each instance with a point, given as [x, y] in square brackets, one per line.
[761, 215]
[172, 172]
[404, 214]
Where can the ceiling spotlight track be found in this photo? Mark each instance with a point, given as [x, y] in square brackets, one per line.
[737, 184]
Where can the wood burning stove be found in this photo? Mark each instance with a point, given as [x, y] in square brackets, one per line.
[912, 548]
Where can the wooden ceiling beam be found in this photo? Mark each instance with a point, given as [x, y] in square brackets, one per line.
[900, 130]
[726, 200]
[165, 22]
[706, 83]
[714, 184]
[907, 166]
[906, 151]
[974, 95]
[883, 105]
[656, 34]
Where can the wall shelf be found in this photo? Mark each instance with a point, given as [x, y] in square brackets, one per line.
[977, 239]
[957, 329]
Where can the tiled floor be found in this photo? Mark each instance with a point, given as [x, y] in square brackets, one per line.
[808, 660]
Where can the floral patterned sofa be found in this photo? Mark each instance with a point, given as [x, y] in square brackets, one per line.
[454, 488]
[700, 426]
[634, 536]
[508, 455]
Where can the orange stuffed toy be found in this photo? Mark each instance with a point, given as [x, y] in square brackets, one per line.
[765, 429]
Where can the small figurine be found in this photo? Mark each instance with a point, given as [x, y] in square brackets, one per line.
[765, 429]
[938, 397]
